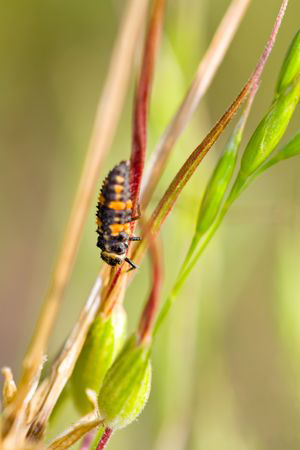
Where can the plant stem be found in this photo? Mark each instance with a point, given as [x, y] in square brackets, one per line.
[147, 319]
[104, 439]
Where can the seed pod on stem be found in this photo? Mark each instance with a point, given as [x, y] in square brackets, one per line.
[272, 127]
[270, 130]
[105, 338]
[292, 148]
[222, 175]
[126, 386]
[291, 65]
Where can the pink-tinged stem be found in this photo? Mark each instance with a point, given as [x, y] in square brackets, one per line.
[271, 41]
[104, 439]
[139, 132]
[148, 315]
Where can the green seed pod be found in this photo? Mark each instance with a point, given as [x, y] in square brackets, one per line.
[104, 340]
[291, 149]
[219, 182]
[270, 130]
[290, 69]
[126, 386]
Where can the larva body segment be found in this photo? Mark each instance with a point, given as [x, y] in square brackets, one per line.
[114, 214]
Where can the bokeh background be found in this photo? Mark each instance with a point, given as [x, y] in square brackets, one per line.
[227, 363]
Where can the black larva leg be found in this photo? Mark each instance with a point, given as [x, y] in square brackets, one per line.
[135, 238]
[133, 266]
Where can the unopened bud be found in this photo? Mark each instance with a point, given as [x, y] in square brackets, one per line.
[104, 340]
[270, 130]
[290, 69]
[126, 386]
[218, 183]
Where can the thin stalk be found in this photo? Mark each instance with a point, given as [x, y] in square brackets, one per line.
[149, 313]
[104, 439]
[141, 102]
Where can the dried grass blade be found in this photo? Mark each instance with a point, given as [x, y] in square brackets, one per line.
[9, 386]
[75, 432]
[107, 116]
[64, 364]
[203, 78]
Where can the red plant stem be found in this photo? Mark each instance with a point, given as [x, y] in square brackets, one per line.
[148, 315]
[139, 133]
[105, 438]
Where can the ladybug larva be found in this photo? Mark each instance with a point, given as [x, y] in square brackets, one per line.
[114, 215]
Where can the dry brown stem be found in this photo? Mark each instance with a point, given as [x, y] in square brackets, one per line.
[64, 364]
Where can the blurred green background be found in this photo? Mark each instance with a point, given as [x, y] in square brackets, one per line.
[227, 362]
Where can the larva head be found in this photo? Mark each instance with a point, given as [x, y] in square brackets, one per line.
[115, 254]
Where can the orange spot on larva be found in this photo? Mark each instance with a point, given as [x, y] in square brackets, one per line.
[118, 206]
[118, 188]
[128, 204]
[116, 228]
